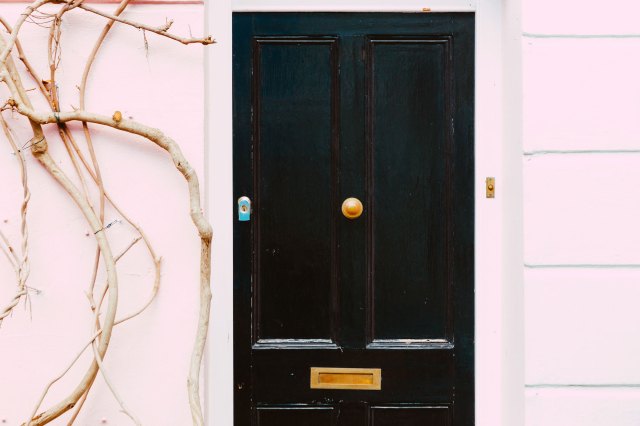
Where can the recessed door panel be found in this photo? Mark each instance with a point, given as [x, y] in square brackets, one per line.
[295, 415]
[294, 170]
[410, 416]
[409, 111]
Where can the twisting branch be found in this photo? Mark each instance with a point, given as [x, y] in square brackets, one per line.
[6, 311]
[99, 182]
[8, 44]
[20, 102]
[87, 134]
[152, 134]
[84, 348]
[105, 376]
[21, 265]
[40, 152]
[25, 61]
[68, 139]
[54, 56]
[197, 216]
[156, 30]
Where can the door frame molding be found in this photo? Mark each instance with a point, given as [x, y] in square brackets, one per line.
[499, 306]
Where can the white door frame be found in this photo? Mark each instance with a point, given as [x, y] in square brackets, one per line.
[499, 318]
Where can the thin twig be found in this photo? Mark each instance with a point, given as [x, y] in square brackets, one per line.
[111, 387]
[21, 102]
[8, 44]
[25, 61]
[197, 216]
[86, 345]
[98, 180]
[105, 376]
[156, 30]
[21, 264]
[54, 56]
[96, 335]
[87, 134]
[40, 152]
[9, 252]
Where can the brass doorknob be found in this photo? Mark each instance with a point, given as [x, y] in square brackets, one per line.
[352, 208]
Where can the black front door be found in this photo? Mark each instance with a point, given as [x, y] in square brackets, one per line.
[364, 321]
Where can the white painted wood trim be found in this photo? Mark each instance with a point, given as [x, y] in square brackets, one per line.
[499, 265]
[219, 205]
[499, 314]
[488, 239]
[354, 6]
[511, 225]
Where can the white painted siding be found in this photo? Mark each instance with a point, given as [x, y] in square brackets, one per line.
[580, 17]
[148, 359]
[581, 94]
[582, 208]
[583, 406]
[581, 141]
[581, 326]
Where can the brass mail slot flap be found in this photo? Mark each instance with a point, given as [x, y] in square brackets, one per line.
[346, 378]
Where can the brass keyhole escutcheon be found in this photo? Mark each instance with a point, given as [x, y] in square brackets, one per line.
[352, 208]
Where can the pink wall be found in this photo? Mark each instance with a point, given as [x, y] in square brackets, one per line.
[581, 100]
[148, 358]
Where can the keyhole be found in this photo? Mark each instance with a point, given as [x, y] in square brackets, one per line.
[243, 209]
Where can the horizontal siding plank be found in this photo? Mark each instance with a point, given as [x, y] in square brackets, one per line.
[581, 16]
[581, 94]
[583, 407]
[582, 326]
[582, 209]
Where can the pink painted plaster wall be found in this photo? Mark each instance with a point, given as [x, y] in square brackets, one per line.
[148, 358]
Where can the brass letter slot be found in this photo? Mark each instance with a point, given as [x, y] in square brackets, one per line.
[346, 378]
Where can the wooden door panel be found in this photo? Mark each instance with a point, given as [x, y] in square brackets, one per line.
[353, 414]
[410, 416]
[409, 141]
[294, 143]
[294, 416]
[285, 378]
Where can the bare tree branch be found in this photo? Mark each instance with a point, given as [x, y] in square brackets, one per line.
[156, 30]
